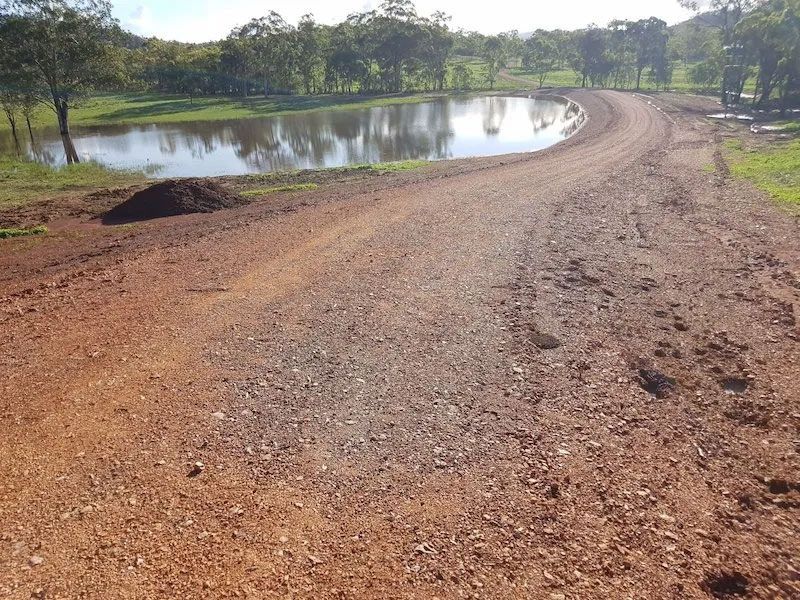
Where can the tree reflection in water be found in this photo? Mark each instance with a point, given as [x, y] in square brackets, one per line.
[441, 128]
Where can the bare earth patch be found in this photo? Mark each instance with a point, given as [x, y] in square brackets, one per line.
[572, 374]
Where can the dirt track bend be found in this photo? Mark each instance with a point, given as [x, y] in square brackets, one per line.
[360, 378]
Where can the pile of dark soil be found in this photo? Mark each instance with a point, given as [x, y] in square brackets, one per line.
[174, 197]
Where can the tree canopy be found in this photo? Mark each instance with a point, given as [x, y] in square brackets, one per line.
[58, 51]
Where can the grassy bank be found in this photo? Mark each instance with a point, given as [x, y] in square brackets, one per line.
[139, 109]
[774, 169]
[148, 108]
[21, 182]
[290, 180]
[788, 126]
[291, 187]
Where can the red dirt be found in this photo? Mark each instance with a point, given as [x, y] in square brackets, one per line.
[367, 380]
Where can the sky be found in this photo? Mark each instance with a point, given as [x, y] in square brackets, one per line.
[204, 20]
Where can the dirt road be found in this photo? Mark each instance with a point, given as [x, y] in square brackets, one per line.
[451, 383]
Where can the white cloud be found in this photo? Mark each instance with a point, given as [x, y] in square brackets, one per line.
[140, 20]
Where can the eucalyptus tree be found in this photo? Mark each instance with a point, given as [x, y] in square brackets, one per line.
[771, 36]
[650, 38]
[11, 105]
[468, 43]
[237, 60]
[13, 81]
[514, 47]
[195, 70]
[622, 52]
[66, 46]
[158, 64]
[436, 47]
[397, 36]
[311, 40]
[540, 54]
[591, 56]
[348, 62]
[366, 68]
[494, 54]
[462, 79]
[272, 45]
[724, 16]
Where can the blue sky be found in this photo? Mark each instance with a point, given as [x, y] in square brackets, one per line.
[203, 20]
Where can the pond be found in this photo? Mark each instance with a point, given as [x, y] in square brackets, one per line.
[443, 128]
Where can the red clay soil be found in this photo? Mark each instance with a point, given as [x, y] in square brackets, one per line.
[572, 374]
[172, 198]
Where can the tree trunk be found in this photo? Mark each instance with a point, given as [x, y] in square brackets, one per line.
[788, 84]
[638, 79]
[13, 122]
[766, 90]
[62, 110]
[755, 92]
[740, 90]
[30, 130]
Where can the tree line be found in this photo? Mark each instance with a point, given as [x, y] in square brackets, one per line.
[616, 56]
[56, 51]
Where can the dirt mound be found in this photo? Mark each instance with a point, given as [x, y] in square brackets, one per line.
[174, 197]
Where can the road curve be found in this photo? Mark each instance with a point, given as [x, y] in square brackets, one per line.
[433, 388]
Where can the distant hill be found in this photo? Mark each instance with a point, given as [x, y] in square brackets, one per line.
[703, 21]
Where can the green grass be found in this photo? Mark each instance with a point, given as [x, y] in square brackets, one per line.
[137, 109]
[477, 69]
[787, 126]
[561, 78]
[9, 232]
[568, 78]
[385, 167]
[294, 187]
[392, 167]
[774, 169]
[22, 181]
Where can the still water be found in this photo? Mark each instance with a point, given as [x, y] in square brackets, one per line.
[440, 129]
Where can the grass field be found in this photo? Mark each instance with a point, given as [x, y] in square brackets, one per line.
[774, 169]
[477, 69]
[22, 181]
[293, 187]
[118, 109]
[568, 78]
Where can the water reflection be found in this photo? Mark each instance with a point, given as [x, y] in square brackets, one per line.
[440, 129]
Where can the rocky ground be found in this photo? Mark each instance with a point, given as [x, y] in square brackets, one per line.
[572, 374]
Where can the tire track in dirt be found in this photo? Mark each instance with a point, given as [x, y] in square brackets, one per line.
[355, 386]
